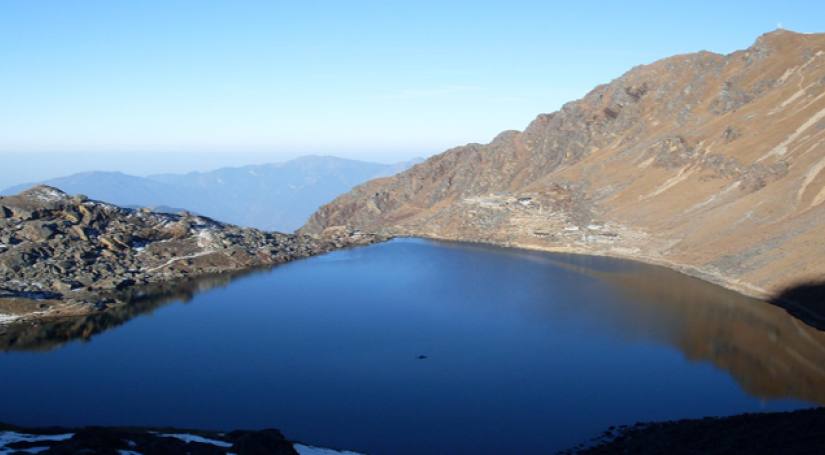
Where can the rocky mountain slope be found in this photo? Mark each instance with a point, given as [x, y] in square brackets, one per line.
[711, 164]
[69, 255]
[277, 196]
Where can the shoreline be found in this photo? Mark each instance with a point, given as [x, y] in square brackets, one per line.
[795, 309]
[122, 299]
[69, 309]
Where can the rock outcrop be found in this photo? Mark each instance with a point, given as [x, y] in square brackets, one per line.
[62, 254]
[710, 164]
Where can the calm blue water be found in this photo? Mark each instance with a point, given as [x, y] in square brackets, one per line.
[525, 353]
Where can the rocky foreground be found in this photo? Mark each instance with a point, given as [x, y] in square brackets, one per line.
[798, 432]
[151, 441]
[710, 164]
[67, 255]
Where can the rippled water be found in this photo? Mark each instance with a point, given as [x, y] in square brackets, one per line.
[414, 346]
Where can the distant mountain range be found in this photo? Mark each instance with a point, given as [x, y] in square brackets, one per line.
[279, 196]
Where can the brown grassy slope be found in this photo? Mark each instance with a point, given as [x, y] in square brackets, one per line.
[712, 164]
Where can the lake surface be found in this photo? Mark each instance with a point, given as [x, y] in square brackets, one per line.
[526, 352]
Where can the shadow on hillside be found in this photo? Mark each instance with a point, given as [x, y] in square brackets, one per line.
[805, 301]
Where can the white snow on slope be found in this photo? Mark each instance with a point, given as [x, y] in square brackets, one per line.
[9, 437]
[310, 450]
[186, 437]
[3, 319]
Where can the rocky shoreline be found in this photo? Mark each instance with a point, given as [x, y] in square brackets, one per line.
[805, 301]
[64, 255]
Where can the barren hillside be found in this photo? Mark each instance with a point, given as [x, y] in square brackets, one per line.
[711, 164]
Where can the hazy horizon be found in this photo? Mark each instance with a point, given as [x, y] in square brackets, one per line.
[31, 167]
[190, 86]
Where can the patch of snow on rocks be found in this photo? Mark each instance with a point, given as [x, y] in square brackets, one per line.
[310, 450]
[186, 437]
[48, 194]
[10, 437]
[205, 238]
[5, 318]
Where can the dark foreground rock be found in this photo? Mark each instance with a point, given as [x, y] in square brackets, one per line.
[798, 432]
[65, 255]
[147, 441]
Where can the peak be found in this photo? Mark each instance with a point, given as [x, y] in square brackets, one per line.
[45, 193]
[779, 32]
[781, 36]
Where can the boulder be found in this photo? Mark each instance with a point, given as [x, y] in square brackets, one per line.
[38, 231]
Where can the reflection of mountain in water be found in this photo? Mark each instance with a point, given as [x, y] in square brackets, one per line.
[767, 351]
[50, 334]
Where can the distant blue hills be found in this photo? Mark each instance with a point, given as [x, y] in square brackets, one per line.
[278, 196]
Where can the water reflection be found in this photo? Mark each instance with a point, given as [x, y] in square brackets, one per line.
[52, 333]
[767, 351]
[524, 352]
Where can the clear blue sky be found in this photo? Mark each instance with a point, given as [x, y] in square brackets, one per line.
[248, 81]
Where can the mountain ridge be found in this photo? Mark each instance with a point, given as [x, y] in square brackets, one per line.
[707, 163]
[273, 196]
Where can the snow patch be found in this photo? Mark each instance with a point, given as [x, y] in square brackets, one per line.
[10, 437]
[176, 259]
[647, 162]
[670, 183]
[784, 77]
[310, 450]
[819, 198]
[186, 437]
[791, 99]
[810, 176]
[48, 194]
[205, 238]
[5, 318]
[715, 197]
[782, 148]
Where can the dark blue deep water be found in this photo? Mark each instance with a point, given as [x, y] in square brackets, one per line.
[526, 352]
